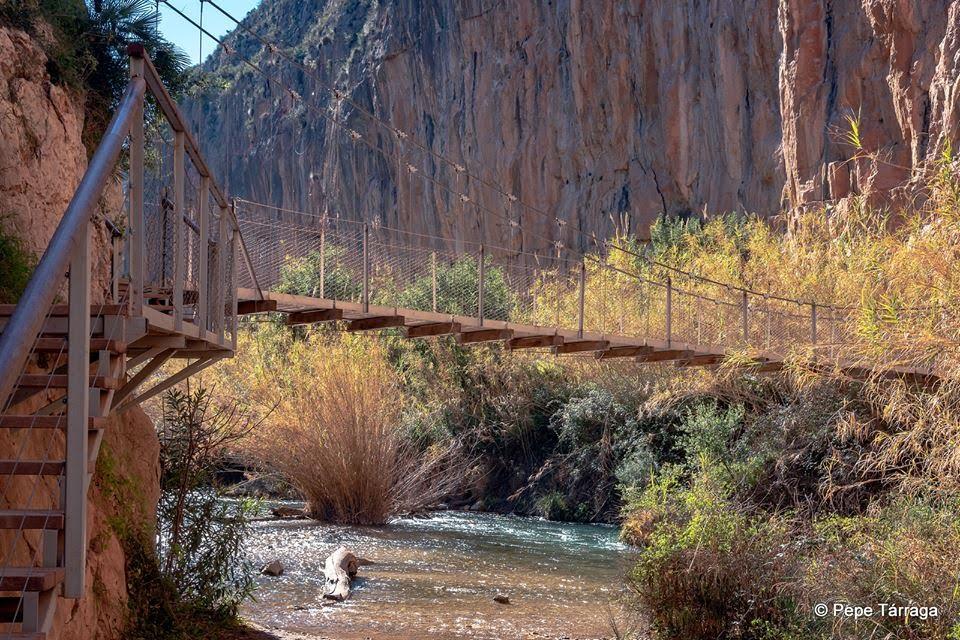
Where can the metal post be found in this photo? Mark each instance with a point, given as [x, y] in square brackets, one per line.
[116, 265]
[746, 319]
[669, 310]
[203, 288]
[433, 277]
[366, 268]
[135, 227]
[179, 178]
[323, 263]
[78, 411]
[583, 282]
[813, 323]
[221, 274]
[480, 273]
[233, 283]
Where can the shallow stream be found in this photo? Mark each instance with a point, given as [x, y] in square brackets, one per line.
[436, 577]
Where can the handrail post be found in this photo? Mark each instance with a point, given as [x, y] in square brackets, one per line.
[813, 323]
[203, 289]
[746, 319]
[366, 268]
[235, 239]
[583, 282]
[136, 231]
[78, 411]
[221, 275]
[669, 310]
[480, 278]
[433, 278]
[178, 235]
[323, 263]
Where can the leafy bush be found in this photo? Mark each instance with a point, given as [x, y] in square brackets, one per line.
[16, 266]
[457, 287]
[303, 276]
[201, 534]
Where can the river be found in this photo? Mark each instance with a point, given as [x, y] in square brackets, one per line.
[435, 577]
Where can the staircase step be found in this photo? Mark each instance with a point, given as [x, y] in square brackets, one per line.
[30, 578]
[31, 467]
[62, 310]
[44, 422]
[60, 381]
[23, 635]
[59, 345]
[30, 519]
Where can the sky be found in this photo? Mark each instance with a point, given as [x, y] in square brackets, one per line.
[187, 37]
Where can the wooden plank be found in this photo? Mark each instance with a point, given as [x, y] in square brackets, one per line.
[30, 519]
[623, 352]
[484, 335]
[376, 322]
[59, 345]
[31, 467]
[433, 329]
[63, 310]
[700, 360]
[45, 422]
[245, 307]
[42, 381]
[665, 355]
[579, 346]
[310, 317]
[532, 342]
[30, 578]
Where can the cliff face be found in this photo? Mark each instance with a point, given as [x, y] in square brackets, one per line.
[42, 159]
[591, 110]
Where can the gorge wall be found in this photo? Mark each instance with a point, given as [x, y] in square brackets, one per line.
[606, 113]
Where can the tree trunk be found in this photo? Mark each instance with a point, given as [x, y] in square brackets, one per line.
[340, 568]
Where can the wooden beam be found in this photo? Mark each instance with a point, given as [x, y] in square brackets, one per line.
[245, 307]
[667, 354]
[181, 375]
[532, 342]
[141, 375]
[376, 322]
[579, 346]
[623, 352]
[706, 359]
[432, 329]
[310, 317]
[484, 335]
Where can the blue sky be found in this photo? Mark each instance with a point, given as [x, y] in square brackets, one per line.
[186, 36]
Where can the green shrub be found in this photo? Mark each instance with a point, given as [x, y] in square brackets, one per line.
[457, 290]
[16, 266]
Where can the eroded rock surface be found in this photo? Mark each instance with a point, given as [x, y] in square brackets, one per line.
[607, 113]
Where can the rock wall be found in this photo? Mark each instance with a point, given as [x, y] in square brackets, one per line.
[606, 113]
[42, 159]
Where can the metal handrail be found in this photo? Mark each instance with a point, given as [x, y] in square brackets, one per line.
[27, 319]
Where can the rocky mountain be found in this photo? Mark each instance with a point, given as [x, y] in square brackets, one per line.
[604, 113]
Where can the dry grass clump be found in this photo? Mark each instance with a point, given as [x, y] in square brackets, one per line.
[336, 432]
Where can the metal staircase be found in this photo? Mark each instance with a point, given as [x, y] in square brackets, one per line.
[67, 368]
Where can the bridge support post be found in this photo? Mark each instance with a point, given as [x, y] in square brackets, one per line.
[78, 410]
[203, 289]
[582, 295]
[136, 232]
[323, 262]
[433, 278]
[669, 310]
[366, 268]
[222, 281]
[179, 177]
[480, 279]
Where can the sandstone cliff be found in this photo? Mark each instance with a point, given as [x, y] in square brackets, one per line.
[42, 159]
[591, 110]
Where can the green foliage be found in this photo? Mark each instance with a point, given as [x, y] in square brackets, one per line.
[89, 48]
[457, 286]
[303, 276]
[16, 266]
[201, 535]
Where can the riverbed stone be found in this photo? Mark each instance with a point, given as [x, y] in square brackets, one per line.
[272, 568]
[501, 599]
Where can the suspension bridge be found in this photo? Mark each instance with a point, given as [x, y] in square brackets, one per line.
[186, 263]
